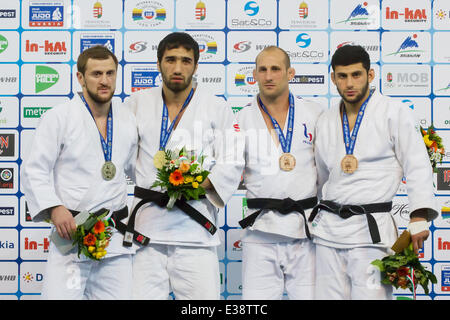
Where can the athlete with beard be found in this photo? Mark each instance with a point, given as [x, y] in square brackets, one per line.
[364, 146]
[181, 255]
[80, 154]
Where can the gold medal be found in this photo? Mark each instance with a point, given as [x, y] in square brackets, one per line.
[159, 159]
[287, 162]
[108, 170]
[349, 164]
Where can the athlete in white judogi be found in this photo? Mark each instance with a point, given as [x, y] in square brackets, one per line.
[280, 177]
[181, 255]
[384, 144]
[65, 171]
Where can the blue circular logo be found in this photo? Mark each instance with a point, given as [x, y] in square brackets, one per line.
[303, 40]
[251, 8]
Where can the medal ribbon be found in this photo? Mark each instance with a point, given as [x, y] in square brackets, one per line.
[284, 141]
[106, 145]
[350, 141]
[411, 278]
[165, 133]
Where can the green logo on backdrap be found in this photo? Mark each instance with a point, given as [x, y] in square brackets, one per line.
[3, 43]
[46, 77]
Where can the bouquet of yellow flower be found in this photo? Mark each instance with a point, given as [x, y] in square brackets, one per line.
[434, 146]
[92, 237]
[180, 173]
[403, 269]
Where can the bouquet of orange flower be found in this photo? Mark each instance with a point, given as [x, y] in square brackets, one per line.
[92, 237]
[180, 173]
[434, 146]
[403, 269]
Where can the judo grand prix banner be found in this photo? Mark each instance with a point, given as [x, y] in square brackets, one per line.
[408, 42]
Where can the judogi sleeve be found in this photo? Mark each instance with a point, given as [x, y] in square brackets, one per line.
[413, 157]
[36, 175]
[322, 169]
[130, 168]
[226, 173]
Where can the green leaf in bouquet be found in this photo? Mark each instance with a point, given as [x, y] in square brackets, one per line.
[379, 264]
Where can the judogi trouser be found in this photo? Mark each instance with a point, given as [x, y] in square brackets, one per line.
[190, 272]
[269, 269]
[344, 274]
[66, 278]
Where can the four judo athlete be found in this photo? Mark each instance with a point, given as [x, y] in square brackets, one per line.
[280, 178]
[70, 166]
[65, 170]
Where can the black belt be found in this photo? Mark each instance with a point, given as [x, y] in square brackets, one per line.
[116, 218]
[346, 211]
[161, 199]
[283, 206]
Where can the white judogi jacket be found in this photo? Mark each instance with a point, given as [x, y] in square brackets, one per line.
[207, 126]
[388, 147]
[263, 177]
[64, 164]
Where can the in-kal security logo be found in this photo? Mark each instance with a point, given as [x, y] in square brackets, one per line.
[409, 48]
[244, 80]
[359, 16]
[91, 40]
[207, 45]
[6, 178]
[407, 15]
[200, 11]
[32, 245]
[44, 14]
[251, 9]
[144, 79]
[7, 145]
[48, 47]
[45, 78]
[149, 13]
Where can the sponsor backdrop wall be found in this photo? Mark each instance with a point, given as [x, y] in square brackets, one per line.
[41, 40]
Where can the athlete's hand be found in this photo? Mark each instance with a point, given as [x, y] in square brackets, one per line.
[418, 238]
[64, 222]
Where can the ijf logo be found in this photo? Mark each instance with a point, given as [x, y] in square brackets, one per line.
[244, 80]
[6, 178]
[207, 45]
[307, 135]
[445, 212]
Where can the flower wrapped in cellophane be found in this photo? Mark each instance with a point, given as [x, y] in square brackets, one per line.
[434, 145]
[403, 269]
[92, 237]
[180, 174]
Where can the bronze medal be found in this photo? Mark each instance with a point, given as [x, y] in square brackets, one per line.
[159, 159]
[108, 170]
[349, 164]
[287, 162]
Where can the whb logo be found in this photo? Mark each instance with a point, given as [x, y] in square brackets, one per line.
[46, 77]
